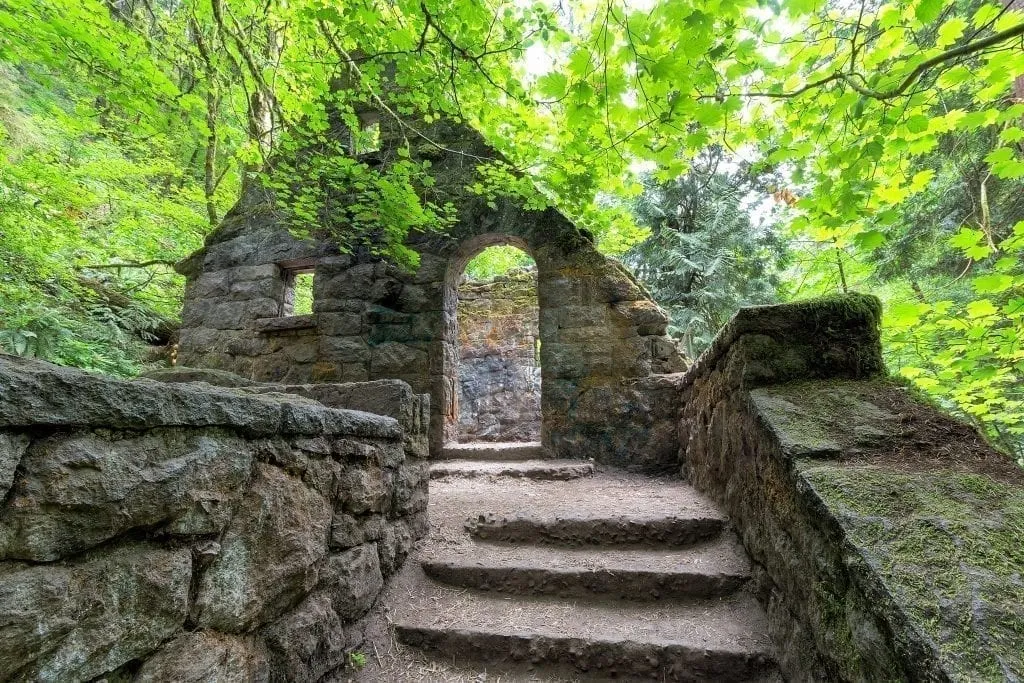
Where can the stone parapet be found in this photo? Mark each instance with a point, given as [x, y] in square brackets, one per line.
[182, 531]
[883, 530]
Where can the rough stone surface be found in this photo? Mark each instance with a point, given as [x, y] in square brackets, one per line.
[76, 491]
[353, 580]
[880, 528]
[607, 611]
[79, 620]
[308, 642]
[499, 368]
[528, 469]
[189, 545]
[207, 656]
[270, 555]
[37, 393]
[12, 448]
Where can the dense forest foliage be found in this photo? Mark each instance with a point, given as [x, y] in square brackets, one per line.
[730, 152]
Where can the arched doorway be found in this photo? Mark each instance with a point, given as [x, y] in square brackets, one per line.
[498, 373]
[492, 342]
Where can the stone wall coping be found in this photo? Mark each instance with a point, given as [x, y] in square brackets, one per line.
[284, 323]
[388, 397]
[36, 393]
[795, 321]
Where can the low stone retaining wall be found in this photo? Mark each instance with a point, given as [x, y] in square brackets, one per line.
[886, 534]
[155, 532]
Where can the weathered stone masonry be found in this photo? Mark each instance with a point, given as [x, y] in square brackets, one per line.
[187, 532]
[499, 365]
[371, 320]
[886, 534]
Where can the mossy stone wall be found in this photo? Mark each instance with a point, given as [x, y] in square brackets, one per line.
[883, 531]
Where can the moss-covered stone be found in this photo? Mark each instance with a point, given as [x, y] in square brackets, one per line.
[948, 547]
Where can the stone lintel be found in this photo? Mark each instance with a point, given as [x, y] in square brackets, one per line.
[285, 323]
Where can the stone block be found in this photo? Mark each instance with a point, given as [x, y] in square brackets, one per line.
[340, 324]
[209, 284]
[308, 642]
[227, 315]
[346, 531]
[392, 359]
[255, 247]
[204, 656]
[432, 269]
[370, 282]
[270, 555]
[324, 305]
[344, 350]
[363, 489]
[444, 357]
[79, 491]
[645, 314]
[394, 546]
[12, 448]
[410, 487]
[360, 452]
[204, 339]
[302, 349]
[77, 621]
[353, 580]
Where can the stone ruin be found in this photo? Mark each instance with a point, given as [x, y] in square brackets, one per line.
[243, 515]
[601, 335]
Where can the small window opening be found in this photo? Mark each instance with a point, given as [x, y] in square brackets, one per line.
[367, 139]
[298, 295]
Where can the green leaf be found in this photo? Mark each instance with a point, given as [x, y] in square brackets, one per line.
[917, 124]
[951, 31]
[871, 239]
[992, 283]
[966, 238]
[981, 308]
[928, 11]
[553, 85]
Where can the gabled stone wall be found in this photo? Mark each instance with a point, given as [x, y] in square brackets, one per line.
[499, 363]
[885, 534]
[371, 320]
[185, 532]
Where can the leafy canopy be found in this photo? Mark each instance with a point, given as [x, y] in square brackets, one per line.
[129, 126]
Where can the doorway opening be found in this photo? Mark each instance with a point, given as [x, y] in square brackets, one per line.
[498, 374]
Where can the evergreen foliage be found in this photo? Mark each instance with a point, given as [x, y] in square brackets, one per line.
[707, 255]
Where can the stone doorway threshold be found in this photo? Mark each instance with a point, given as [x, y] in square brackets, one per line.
[495, 450]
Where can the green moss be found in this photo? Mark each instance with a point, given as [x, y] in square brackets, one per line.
[948, 547]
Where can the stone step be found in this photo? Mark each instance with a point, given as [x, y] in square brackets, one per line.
[707, 640]
[499, 450]
[561, 470]
[586, 530]
[711, 570]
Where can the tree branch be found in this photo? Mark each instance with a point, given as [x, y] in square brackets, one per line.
[140, 264]
[912, 77]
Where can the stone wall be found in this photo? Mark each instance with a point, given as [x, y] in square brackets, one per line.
[372, 320]
[186, 532]
[499, 364]
[885, 534]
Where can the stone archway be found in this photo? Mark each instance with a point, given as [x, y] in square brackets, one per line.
[600, 331]
[449, 341]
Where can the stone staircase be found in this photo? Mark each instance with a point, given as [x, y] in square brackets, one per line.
[595, 576]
